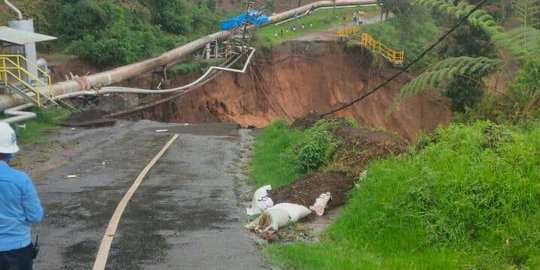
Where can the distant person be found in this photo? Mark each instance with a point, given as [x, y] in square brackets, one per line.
[354, 19]
[19, 208]
[361, 17]
[296, 14]
[311, 9]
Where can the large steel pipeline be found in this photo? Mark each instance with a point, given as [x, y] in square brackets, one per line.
[125, 72]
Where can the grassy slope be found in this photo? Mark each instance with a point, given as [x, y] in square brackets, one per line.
[271, 165]
[321, 20]
[470, 200]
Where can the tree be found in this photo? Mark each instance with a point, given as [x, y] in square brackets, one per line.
[397, 7]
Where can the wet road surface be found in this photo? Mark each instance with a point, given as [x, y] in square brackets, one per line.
[185, 214]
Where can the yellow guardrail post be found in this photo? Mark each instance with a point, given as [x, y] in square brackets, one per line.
[19, 65]
[4, 70]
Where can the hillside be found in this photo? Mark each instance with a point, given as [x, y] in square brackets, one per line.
[408, 142]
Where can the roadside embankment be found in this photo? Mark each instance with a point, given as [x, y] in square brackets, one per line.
[465, 197]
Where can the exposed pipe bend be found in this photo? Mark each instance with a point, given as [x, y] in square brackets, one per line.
[19, 114]
[120, 89]
[14, 8]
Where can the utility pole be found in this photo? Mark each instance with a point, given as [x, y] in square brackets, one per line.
[334, 9]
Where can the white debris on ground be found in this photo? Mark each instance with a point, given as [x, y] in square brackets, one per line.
[278, 216]
[320, 203]
[260, 201]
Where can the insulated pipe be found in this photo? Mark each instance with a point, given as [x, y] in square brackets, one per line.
[18, 114]
[120, 89]
[14, 8]
[125, 72]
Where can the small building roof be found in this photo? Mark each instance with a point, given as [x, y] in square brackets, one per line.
[21, 37]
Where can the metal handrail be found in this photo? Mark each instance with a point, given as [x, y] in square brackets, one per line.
[38, 96]
[395, 57]
[13, 62]
[348, 31]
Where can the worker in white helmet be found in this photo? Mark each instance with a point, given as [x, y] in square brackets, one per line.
[19, 208]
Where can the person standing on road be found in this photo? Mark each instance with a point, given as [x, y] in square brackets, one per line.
[19, 208]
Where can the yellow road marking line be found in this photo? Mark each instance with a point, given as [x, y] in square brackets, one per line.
[103, 253]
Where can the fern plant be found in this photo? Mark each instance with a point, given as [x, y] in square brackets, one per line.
[440, 74]
[528, 12]
[522, 42]
[483, 20]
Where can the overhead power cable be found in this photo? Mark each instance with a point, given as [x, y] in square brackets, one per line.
[424, 53]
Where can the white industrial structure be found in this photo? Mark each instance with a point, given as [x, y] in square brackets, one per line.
[19, 36]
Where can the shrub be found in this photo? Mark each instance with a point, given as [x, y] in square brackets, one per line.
[315, 150]
[319, 143]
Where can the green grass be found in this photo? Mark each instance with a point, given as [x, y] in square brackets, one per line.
[283, 154]
[467, 198]
[46, 122]
[321, 20]
[273, 160]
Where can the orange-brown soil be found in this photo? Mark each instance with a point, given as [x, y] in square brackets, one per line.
[299, 77]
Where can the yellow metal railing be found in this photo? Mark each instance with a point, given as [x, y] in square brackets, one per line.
[12, 69]
[369, 42]
[349, 31]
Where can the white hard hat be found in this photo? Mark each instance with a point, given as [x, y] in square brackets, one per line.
[8, 139]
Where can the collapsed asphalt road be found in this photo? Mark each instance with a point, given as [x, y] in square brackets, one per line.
[185, 214]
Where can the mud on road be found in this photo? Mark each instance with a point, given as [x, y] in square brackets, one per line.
[185, 214]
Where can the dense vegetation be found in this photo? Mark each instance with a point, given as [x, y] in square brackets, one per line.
[107, 32]
[467, 197]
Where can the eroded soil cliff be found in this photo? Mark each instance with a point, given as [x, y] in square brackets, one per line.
[299, 77]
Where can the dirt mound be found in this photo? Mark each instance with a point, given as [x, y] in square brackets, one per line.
[305, 190]
[307, 120]
[91, 118]
[362, 145]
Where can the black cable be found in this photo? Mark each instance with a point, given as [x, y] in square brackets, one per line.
[412, 63]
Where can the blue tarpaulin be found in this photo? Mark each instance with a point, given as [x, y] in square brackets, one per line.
[254, 17]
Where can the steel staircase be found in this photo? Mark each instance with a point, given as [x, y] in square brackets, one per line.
[15, 77]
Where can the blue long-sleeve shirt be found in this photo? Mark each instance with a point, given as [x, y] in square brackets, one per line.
[19, 208]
